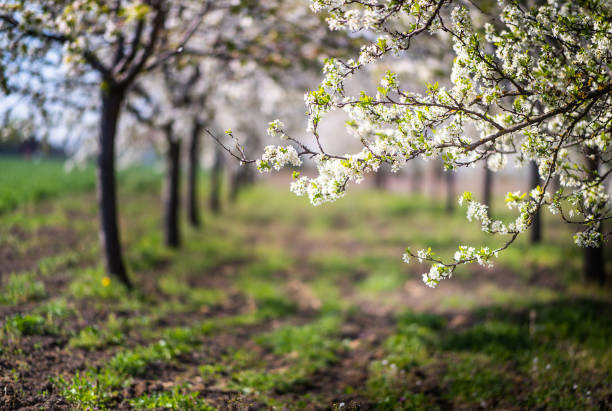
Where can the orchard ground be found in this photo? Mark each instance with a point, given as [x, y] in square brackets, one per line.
[275, 303]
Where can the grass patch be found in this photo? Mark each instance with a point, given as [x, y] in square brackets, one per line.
[28, 324]
[20, 288]
[541, 355]
[30, 180]
[93, 337]
[198, 297]
[313, 344]
[172, 400]
[91, 389]
[98, 386]
[305, 349]
[93, 282]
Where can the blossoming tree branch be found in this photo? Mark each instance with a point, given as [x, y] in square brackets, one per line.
[534, 82]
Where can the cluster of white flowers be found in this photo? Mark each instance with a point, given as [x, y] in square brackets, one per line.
[333, 176]
[497, 162]
[275, 128]
[354, 19]
[436, 273]
[277, 157]
[588, 238]
[540, 100]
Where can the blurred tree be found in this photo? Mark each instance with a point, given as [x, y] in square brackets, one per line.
[416, 177]
[171, 103]
[149, 104]
[267, 49]
[450, 191]
[594, 263]
[13, 132]
[380, 179]
[248, 102]
[172, 187]
[250, 46]
[174, 99]
[487, 186]
[119, 42]
[122, 40]
[536, 223]
[193, 208]
[188, 91]
[216, 175]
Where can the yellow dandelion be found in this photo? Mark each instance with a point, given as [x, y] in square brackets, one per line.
[105, 281]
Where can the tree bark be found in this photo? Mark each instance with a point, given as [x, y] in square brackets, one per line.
[536, 224]
[241, 178]
[594, 268]
[172, 189]
[487, 186]
[450, 191]
[215, 181]
[112, 98]
[594, 265]
[380, 178]
[193, 209]
[416, 178]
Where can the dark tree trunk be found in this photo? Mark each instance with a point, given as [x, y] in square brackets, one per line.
[594, 266]
[172, 189]
[416, 178]
[487, 183]
[112, 98]
[193, 209]
[536, 224]
[215, 182]
[380, 178]
[450, 191]
[555, 183]
[243, 177]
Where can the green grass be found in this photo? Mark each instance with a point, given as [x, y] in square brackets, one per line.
[314, 345]
[93, 337]
[90, 389]
[193, 296]
[28, 324]
[272, 297]
[503, 359]
[55, 309]
[93, 282]
[31, 180]
[19, 288]
[27, 181]
[172, 400]
[304, 349]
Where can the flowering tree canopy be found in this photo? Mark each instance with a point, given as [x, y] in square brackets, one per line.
[535, 84]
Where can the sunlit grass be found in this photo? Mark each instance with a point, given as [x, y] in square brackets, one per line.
[465, 345]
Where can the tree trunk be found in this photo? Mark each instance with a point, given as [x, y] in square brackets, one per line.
[112, 99]
[416, 178]
[488, 182]
[555, 183]
[172, 189]
[594, 265]
[193, 210]
[380, 178]
[450, 191]
[215, 181]
[536, 224]
[241, 178]
[594, 268]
